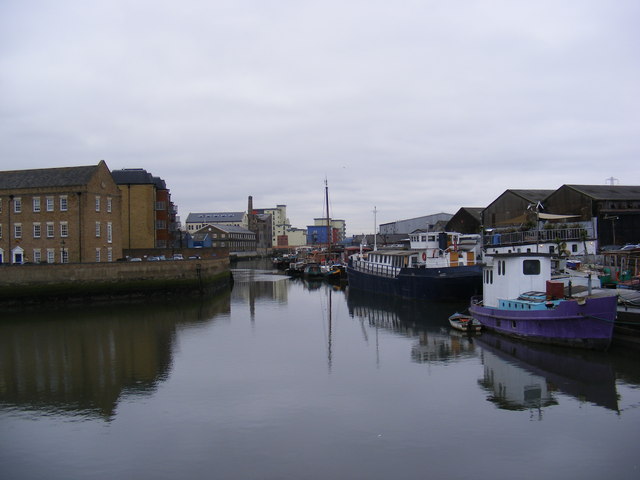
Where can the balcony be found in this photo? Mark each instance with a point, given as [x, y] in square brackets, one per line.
[505, 237]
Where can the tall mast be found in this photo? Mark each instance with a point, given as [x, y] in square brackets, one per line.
[326, 196]
[375, 226]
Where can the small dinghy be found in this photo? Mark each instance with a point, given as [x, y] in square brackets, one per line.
[464, 323]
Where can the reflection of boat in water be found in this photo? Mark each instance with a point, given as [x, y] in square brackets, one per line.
[423, 320]
[522, 375]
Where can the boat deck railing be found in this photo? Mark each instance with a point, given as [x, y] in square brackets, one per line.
[538, 236]
[376, 269]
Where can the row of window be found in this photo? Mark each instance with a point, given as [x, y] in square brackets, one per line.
[63, 230]
[63, 255]
[49, 204]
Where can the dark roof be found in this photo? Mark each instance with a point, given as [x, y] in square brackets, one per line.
[132, 176]
[475, 212]
[532, 195]
[47, 177]
[608, 192]
[160, 183]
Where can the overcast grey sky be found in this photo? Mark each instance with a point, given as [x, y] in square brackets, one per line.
[414, 107]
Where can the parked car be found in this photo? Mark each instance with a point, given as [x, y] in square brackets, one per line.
[178, 256]
[153, 259]
[630, 246]
[135, 259]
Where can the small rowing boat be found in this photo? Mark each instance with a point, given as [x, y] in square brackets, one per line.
[464, 323]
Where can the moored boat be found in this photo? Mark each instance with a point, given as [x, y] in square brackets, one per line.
[439, 266]
[464, 323]
[312, 270]
[521, 300]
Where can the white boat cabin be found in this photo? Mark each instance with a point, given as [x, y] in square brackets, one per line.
[443, 249]
[507, 276]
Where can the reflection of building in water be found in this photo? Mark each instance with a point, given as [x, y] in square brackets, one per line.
[522, 375]
[253, 286]
[424, 320]
[83, 360]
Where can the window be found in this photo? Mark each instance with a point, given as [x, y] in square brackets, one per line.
[161, 206]
[50, 231]
[0, 230]
[51, 255]
[109, 202]
[531, 267]
[109, 232]
[64, 255]
[64, 203]
[97, 203]
[97, 229]
[37, 230]
[97, 254]
[17, 230]
[37, 255]
[64, 229]
[17, 205]
[49, 204]
[36, 204]
[574, 248]
[109, 254]
[161, 225]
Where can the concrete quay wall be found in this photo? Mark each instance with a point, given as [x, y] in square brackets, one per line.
[33, 283]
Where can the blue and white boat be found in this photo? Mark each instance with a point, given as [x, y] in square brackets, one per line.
[440, 266]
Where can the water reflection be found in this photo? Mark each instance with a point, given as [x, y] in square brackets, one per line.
[521, 376]
[80, 361]
[427, 322]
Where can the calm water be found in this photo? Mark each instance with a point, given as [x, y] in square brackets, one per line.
[280, 379]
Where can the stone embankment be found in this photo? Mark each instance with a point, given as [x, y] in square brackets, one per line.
[24, 284]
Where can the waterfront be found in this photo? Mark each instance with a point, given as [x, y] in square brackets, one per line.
[282, 379]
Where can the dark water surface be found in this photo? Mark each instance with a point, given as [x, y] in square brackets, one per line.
[281, 379]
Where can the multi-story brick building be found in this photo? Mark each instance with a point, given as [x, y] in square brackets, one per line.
[148, 215]
[60, 215]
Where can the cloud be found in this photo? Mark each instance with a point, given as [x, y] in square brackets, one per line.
[415, 107]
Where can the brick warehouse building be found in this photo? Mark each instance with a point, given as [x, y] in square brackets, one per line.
[60, 215]
[148, 214]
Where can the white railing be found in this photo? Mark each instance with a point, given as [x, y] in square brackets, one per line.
[375, 268]
[537, 236]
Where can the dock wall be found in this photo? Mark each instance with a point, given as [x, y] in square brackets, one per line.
[33, 283]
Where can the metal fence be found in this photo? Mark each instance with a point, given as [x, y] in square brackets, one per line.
[538, 236]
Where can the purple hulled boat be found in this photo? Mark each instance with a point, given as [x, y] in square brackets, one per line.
[521, 300]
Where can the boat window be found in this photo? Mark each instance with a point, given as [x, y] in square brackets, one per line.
[531, 267]
[499, 268]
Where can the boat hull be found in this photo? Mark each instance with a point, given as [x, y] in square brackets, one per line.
[439, 284]
[583, 324]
